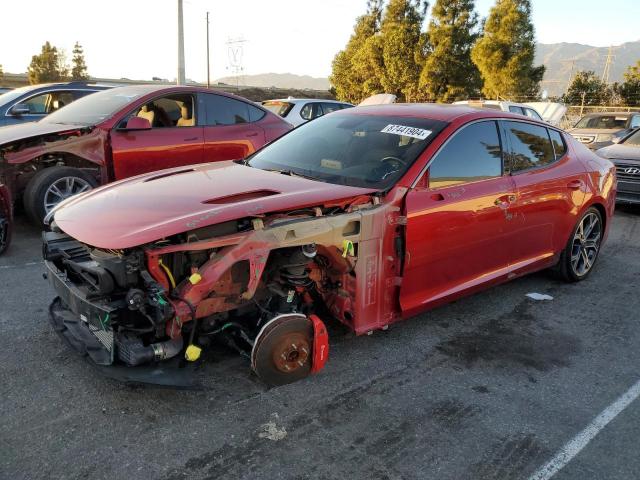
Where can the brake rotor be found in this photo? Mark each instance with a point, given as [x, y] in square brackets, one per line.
[282, 350]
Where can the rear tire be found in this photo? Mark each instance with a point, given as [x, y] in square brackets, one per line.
[50, 186]
[581, 252]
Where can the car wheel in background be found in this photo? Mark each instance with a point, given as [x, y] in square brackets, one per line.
[580, 254]
[51, 186]
[5, 230]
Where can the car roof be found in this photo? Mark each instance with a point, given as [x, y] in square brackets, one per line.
[435, 111]
[296, 100]
[607, 114]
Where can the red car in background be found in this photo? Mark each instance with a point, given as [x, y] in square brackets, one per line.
[365, 216]
[6, 220]
[126, 131]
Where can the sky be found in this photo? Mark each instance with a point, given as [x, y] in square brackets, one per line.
[136, 39]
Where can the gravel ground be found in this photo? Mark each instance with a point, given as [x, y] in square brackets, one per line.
[489, 387]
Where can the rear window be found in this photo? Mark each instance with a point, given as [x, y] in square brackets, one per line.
[277, 107]
[603, 122]
[530, 146]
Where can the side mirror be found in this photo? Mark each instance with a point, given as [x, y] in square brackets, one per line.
[138, 123]
[19, 109]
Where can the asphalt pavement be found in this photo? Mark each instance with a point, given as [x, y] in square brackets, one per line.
[489, 387]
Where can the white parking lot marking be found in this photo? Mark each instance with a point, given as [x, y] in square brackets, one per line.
[581, 440]
[28, 264]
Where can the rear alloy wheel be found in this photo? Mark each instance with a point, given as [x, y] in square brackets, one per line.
[581, 252]
[51, 186]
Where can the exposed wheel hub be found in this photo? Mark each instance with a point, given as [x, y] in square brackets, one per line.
[586, 243]
[282, 350]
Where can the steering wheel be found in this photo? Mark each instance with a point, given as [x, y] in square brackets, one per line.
[395, 162]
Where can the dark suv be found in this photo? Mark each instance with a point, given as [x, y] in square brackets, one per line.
[29, 104]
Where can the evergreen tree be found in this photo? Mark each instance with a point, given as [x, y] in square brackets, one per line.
[79, 68]
[354, 71]
[505, 52]
[1, 73]
[448, 73]
[587, 86]
[48, 66]
[629, 90]
[402, 44]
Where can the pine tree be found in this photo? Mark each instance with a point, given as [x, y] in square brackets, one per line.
[48, 66]
[505, 52]
[588, 87]
[629, 90]
[355, 69]
[402, 44]
[448, 73]
[79, 68]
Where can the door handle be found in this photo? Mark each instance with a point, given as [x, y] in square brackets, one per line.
[190, 139]
[252, 134]
[575, 185]
[505, 200]
[438, 197]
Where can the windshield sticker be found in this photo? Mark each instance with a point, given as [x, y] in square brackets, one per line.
[407, 131]
[334, 164]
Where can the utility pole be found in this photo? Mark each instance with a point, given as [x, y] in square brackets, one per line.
[181, 78]
[208, 73]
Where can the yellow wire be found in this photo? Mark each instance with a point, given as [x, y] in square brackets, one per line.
[169, 274]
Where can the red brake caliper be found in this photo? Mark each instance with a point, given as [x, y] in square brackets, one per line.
[320, 344]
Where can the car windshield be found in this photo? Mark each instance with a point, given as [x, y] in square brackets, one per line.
[369, 151]
[603, 122]
[633, 139]
[96, 107]
[278, 107]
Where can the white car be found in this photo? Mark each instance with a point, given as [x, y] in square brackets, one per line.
[297, 111]
[518, 108]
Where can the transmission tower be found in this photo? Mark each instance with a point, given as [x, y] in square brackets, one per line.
[607, 66]
[235, 52]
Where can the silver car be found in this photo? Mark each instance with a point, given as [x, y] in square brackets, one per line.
[597, 130]
[297, 111]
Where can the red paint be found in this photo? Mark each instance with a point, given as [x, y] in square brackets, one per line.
[122, 154]
[154, 208]
[453, 240]
[7, 212]
[320, 344]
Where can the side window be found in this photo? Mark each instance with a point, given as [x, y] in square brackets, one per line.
[225, 111]
[170, 111]
[559, 146]
[473, 154]
[330, 107]
[530, 146]
[635, 121]
[59, 99]
[311, 111]
[255, 113]
[517, 110]
[532, 114]
[38, 104]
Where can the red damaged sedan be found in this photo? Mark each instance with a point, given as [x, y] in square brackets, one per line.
[126, 131]
[366, 216]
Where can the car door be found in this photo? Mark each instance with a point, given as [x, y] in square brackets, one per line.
[458, 219]
[550, 186]
[230, 128]
[171, 141]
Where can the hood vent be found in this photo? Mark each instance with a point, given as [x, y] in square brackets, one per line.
[168, 174]
[241, 197]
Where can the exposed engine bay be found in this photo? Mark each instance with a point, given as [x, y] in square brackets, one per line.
[258, 286]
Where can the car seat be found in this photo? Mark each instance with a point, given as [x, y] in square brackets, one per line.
[147, 113]
[186, 116]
